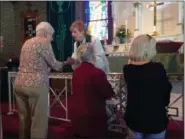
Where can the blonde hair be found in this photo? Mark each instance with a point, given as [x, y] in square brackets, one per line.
[78, 24]
[143, 47]
[85, 53]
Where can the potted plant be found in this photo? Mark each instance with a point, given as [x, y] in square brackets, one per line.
[121, 33]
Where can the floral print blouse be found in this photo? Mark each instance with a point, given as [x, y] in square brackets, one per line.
[36, 59]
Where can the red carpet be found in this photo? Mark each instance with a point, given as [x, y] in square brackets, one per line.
[59, 129]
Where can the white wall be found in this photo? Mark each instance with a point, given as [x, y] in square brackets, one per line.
[167, 17]
[123, 11]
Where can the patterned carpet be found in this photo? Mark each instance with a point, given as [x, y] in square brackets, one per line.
[60, 129]
[57, 129]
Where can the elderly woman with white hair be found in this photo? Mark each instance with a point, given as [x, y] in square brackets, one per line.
[90, 90]
[31, 86]
[148, 91]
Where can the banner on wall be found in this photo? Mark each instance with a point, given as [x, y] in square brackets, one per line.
[29, 26]
[61, 14]
[29, 23]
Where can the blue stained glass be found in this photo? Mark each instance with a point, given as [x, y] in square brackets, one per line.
[99, 28]
[98, 10]
[98, 18]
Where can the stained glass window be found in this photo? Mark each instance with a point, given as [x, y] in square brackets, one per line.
[97, 12]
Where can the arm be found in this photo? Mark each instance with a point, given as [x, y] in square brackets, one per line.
[46, 52]
[104, 86]
[125, 74]
[167, 86]
[168, 91]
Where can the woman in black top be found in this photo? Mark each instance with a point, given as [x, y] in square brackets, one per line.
[148, 91]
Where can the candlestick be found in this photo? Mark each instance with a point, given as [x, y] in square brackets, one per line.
[154, 29]
[155, 33]
[1, 43]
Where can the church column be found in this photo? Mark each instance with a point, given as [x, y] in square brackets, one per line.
[1, 43]
[138, 8]
[180, 13]
[180, 21]
[115, 15]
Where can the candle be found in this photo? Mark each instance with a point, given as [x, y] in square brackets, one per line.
[115, 29]
[154, 29]
[137, 17]
[126, 26]
[1, 43]
[126, 33]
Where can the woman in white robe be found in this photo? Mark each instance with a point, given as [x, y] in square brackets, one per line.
[80, 36]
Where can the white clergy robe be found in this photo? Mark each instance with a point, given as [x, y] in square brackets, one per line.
[101, 60]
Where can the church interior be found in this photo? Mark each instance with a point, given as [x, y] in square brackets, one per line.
[115, 24]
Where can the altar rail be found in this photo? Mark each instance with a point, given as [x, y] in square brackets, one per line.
[113, 78]
[116, 80]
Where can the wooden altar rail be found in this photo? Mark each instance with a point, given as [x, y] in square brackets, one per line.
[116, 80]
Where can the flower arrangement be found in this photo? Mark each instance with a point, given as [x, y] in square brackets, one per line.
[121, 33]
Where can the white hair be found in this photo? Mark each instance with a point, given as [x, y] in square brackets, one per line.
[44, 28]
[85, 53]
[143, 47]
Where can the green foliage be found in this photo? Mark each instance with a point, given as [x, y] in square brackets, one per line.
[121, 32]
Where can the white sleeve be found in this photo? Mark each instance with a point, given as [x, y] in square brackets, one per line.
[101, 60]
[74, 55]
[98, 53]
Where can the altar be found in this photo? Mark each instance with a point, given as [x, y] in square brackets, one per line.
[169, 53]
[173, 63]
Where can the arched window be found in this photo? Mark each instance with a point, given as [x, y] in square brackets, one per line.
[98, 19]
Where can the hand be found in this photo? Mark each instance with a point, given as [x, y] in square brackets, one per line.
[129, 61]
[70, 61]
[130, 134]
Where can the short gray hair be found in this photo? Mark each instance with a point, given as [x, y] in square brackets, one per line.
[85, 52]
[143, 47]
[44, 28]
